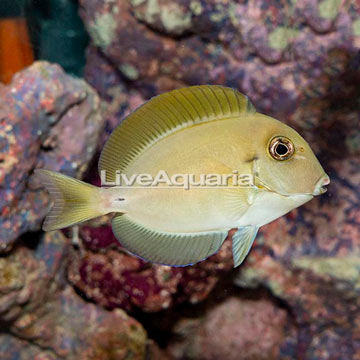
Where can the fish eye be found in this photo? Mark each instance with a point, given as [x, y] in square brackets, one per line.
[281, 148]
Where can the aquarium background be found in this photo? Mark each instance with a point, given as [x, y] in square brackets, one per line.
[80, 69]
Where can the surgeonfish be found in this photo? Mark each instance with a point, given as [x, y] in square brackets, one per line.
[204, 131]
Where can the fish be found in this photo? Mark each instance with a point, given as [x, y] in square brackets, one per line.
[212, 133]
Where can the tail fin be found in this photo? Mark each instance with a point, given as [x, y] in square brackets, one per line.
[74, 200]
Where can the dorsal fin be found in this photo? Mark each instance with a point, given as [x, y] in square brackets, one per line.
[165, 114]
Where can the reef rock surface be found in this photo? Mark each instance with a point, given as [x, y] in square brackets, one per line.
[47, 119]
[233, 329]
[43, 318]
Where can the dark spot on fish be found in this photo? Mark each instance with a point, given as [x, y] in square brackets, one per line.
[254, 158]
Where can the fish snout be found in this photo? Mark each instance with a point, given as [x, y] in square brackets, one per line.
[320, 185]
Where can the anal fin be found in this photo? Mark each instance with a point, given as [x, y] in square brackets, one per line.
[175, 249]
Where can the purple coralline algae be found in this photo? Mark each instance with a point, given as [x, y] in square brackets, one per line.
[47, 120]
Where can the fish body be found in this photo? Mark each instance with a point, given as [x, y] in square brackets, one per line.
[201, 130]
[199, 209]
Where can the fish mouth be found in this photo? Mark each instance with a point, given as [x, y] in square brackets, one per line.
[320, 185]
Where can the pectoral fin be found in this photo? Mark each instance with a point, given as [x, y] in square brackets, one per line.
[242, 241]
[175, 249]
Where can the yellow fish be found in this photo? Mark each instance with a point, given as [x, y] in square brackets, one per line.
[208, 134]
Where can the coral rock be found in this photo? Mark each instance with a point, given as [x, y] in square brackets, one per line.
[47, 119]
[47, 319]
[236, 329]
